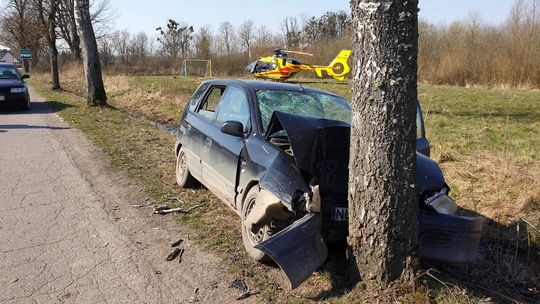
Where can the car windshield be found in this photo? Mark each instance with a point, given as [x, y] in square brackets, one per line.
[8, 72]
[304, 103]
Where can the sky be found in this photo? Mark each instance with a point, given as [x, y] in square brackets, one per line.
[136, 16]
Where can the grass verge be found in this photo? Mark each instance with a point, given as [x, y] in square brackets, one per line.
[490, 160]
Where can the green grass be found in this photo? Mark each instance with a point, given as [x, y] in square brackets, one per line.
[487, 142]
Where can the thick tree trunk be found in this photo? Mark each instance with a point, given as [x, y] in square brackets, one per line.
[53, 57]
[95, 91]
[383, 209]
[53, 50]
[76, 47]
[75, 38]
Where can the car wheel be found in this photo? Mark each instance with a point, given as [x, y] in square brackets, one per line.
[183, 177]
[249, 238]
[26, 106]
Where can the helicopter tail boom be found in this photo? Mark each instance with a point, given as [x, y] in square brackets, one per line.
[338, 68]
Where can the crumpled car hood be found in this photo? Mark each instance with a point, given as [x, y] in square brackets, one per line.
[312, 139]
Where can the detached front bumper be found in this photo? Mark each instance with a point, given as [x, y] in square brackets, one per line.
[298, 249]
[301, 248]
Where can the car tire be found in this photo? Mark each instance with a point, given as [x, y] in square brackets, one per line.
[184, 178]
[26, 106]
[249, 238]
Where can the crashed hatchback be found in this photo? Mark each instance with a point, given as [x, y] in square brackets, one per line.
[278, 155]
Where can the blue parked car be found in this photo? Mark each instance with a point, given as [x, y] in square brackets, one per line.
[13, 90]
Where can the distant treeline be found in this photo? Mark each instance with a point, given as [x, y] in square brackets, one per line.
[466, 52]
[471, 52]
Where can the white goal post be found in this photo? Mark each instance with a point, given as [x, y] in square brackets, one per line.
[196, 67]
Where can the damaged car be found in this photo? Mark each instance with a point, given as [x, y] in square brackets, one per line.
[278, 155]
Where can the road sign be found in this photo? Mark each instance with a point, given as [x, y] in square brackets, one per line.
[25, 53]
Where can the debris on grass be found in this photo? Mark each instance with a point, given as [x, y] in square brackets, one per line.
[165, 209]
[177, 242]
[173, 254]
[242, 286]
[180, 254]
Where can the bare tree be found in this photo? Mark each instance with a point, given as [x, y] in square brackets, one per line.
[203, 42]
[226, 30]
[120, 44]
[105, 49]
[383, 209]
[95, 90]
[246, 32]
[264, 37]
[21, 26]
[291, 31]
[138, 46]
[47, 14]
[101, 13]
[176, 38]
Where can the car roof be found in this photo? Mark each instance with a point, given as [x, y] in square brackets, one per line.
[7, 64]
[259, 85]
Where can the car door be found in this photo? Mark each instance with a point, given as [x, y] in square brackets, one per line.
[190, 136]
[200, 124]
[221, 153]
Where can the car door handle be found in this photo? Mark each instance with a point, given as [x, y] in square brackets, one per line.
[208, 142]
[188, 127]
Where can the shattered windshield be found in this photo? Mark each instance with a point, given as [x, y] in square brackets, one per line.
[303, 103]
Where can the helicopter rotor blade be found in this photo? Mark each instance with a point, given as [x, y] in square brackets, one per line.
[298, 53]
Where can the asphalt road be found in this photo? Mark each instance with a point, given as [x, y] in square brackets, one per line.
[69, 230]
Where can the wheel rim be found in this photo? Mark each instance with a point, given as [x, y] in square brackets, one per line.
[258, 237]
[181, 166]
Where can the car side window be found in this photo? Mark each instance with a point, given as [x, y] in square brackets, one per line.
[234, 106]
[197, 95]
[209, 106]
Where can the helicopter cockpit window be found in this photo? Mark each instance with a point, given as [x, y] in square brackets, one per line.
[260, 67]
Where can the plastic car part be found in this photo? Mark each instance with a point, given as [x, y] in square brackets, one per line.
[298, 249]
[451, 239]
[442, 203]
[313, 203]
[267, 207]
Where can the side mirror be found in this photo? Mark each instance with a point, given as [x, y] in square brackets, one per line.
[25, 76]
[234, 128]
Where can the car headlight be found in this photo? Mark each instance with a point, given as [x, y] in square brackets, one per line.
[18, 90]
[442, 203]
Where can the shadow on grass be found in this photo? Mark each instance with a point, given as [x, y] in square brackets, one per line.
[507, 270]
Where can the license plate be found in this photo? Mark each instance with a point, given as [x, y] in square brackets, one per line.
[2, 97]
[340, 214]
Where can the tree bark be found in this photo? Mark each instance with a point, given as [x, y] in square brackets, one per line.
[95, 90]
[53, 50]
[75, 38]
[383, 208]
[47, 15]
[53, 58]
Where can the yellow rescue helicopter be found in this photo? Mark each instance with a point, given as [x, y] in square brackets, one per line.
[281, 67]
